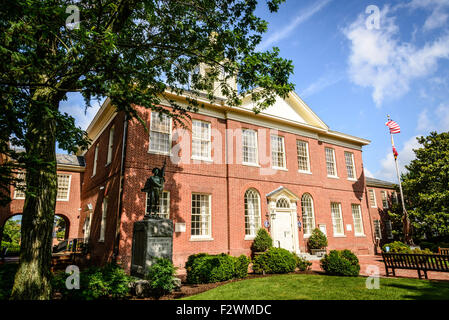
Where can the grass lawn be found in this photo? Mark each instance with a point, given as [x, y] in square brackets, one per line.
[322, 287]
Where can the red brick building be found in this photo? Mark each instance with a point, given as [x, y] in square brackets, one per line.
[229, 174]
[70, 169]
[381, 195]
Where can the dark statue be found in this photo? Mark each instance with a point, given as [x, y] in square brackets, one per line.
[154, 187]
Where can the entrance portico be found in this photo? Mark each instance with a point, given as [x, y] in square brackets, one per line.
[283, 219]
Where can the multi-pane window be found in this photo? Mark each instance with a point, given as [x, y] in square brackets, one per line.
[277, 151]
[377, 230]
[163, 209]
[283, 203]
[249, 141]
[201, 216]
[63, 187]
[303, 156]
[330, 162]
[357, 217]
[372, 198]
[337, 220]
[350, 168]
[94, 170]
[160, 133]
[394, 197]
[110, 144]
[252, 212]
[389, 229]
[104, 209]
[19, 186]
[384, 199]
[201, 140]
[308, 217]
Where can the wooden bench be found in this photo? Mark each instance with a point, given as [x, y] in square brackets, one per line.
[444, 251]
[419, 262]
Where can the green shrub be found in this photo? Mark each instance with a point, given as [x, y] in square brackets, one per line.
[241, 267]
[204, 268]
[7, 274]
[302, 264]
[396, 247]
[341, 263]
[160, 275]
[262, 242]
[275, 260]
[317, 240]
[95, 283]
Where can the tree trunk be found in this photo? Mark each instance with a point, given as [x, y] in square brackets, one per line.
[32, 280]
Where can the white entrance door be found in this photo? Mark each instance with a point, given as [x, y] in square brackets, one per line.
[282, 233]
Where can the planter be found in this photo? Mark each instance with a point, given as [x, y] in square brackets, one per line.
[318, 252]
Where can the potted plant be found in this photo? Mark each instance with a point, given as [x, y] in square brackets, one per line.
[317, 243]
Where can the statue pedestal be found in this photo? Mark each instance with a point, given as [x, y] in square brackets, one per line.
[152, 239]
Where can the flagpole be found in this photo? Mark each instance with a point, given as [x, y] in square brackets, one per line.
[406, 221]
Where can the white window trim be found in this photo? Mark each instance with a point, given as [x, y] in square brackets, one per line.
[207, 237]
[209, 157]
[68, 189]
[158, 152]
[110, 145]
[354, 171]
[358, 234]
[307, 235]
[382, 193]
[338, 235]
[22, 191]
[389, 231]
[259, 222]
[251, 164]
[308, 158]
[94, 169]
[168, 204]
[374, 198]
[284, 168]
[103, 219]
[334, 162]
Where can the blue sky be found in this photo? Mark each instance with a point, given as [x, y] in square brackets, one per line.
[353, 75]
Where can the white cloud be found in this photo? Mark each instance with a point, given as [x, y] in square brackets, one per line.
[288, 29]
[379, 60]
[434, 119]
[406, 154]
[368, 173]
[321, 84]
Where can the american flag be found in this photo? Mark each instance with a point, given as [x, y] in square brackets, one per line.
[394, 127]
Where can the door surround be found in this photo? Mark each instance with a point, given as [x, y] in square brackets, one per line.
[283, 201]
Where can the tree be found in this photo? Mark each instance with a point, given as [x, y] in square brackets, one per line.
[131, 51]
[426, 187]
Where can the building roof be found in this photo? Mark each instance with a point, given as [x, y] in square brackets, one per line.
[70, 160]
[372, 182]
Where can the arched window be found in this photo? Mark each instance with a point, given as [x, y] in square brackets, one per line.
[282, 203]
[308, 216]
[252, 212]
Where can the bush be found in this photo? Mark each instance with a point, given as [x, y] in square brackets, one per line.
[241, 267]
[302, 264]
[7, 274]
[262, 242]
[275, 260]
[341, 263]
[161, 275]
[317, 240]
[396, 247]
[95, 283]
[204, 268]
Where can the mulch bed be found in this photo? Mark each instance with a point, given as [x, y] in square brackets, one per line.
[193, 289]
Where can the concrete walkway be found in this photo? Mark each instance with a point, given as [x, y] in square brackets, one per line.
[368, 261]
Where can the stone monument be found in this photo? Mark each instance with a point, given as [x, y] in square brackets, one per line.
[152, 236]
